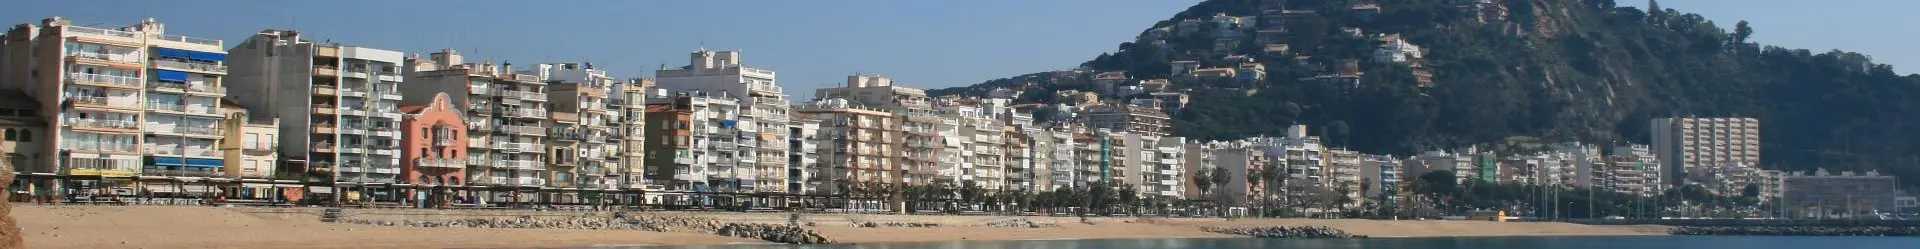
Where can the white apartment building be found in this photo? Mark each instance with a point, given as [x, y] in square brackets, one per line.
[856, 146]
[1633, 169]
[337, 103]
[1689, 144]
[762, 120]
[803, 157]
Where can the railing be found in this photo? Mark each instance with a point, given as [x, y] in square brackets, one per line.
[524, 130]
[440, 163]
[324, 70]
[172, 172]
[524, 112]
[122, 58]
[443, 141]
[182, 108]
[103, 101]
[209, 67]
[201, 41]
[101, 31]
[98, 146]
[203, 131]
[511, 147]
[107, 79]
[529, 182]
[108, 124]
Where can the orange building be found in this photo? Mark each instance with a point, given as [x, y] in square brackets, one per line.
[433, 148]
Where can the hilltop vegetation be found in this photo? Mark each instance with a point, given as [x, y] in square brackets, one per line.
[1551, 70]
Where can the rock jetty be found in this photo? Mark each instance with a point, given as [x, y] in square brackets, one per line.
[1018, 223]
[1299, 232]
[774, 233]
[1798, 230]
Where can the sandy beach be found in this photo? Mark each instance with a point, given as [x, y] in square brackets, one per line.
[210, 227]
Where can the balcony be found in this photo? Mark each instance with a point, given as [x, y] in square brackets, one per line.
[523, 130]
[323, 148]
[529, 182]
[353, 92]
[443, 141]
[194, 173]
[522, 95]
[129, 60]
[523, 112]
[190, 66]
[325, 71]
[325, 90]
[104, 124]
[185, 109]
[104, 80]
[324, 110]
[516, 164]
[105, 102]
[187, 130]
[440, 163]
[128, 147]
[510, 147]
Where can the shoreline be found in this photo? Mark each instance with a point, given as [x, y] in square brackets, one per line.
[218, 227]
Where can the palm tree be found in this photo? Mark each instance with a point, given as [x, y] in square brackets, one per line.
[1277, 179]
[970, 193]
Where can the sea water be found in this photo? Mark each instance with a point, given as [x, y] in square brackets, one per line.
[1632, 242]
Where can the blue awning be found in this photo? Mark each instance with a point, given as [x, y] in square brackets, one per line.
[172, 53]
[167, 161]
[189, 162]
[170, 75]
[203, 162]
[205, 56]
[189, 54]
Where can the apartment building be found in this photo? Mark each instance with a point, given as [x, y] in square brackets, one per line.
[1633, 169]
[914, 115]
[856, 145]
[1303, 156]
[1346, 174]
[433, 150]
[506, 118]
[93, 83]
[1126, 118]
[250, 143]
[763, 116]
[979, 141]
[1687, 145]
[693, 146]
[630, 102]
[1058, 150]
[1381, 177]
[803, 157]
[1019, 145]
[585, 142]
[338, 101]
[1237, 159]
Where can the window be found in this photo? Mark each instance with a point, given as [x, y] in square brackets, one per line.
[26, 135]
[9, 136]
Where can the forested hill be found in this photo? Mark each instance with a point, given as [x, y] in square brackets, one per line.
[1507, 71]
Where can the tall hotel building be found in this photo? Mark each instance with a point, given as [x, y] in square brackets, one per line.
[913, 114]
[1694, 145]
[123, 101]
[337, 104]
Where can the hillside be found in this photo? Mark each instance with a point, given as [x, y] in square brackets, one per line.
[1553, 70]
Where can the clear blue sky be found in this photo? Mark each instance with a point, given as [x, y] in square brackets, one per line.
[813, 44]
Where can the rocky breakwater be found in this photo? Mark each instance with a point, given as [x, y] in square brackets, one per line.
[1018, 223]
[1299, 232]
[1799, 230]
[775, 233]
